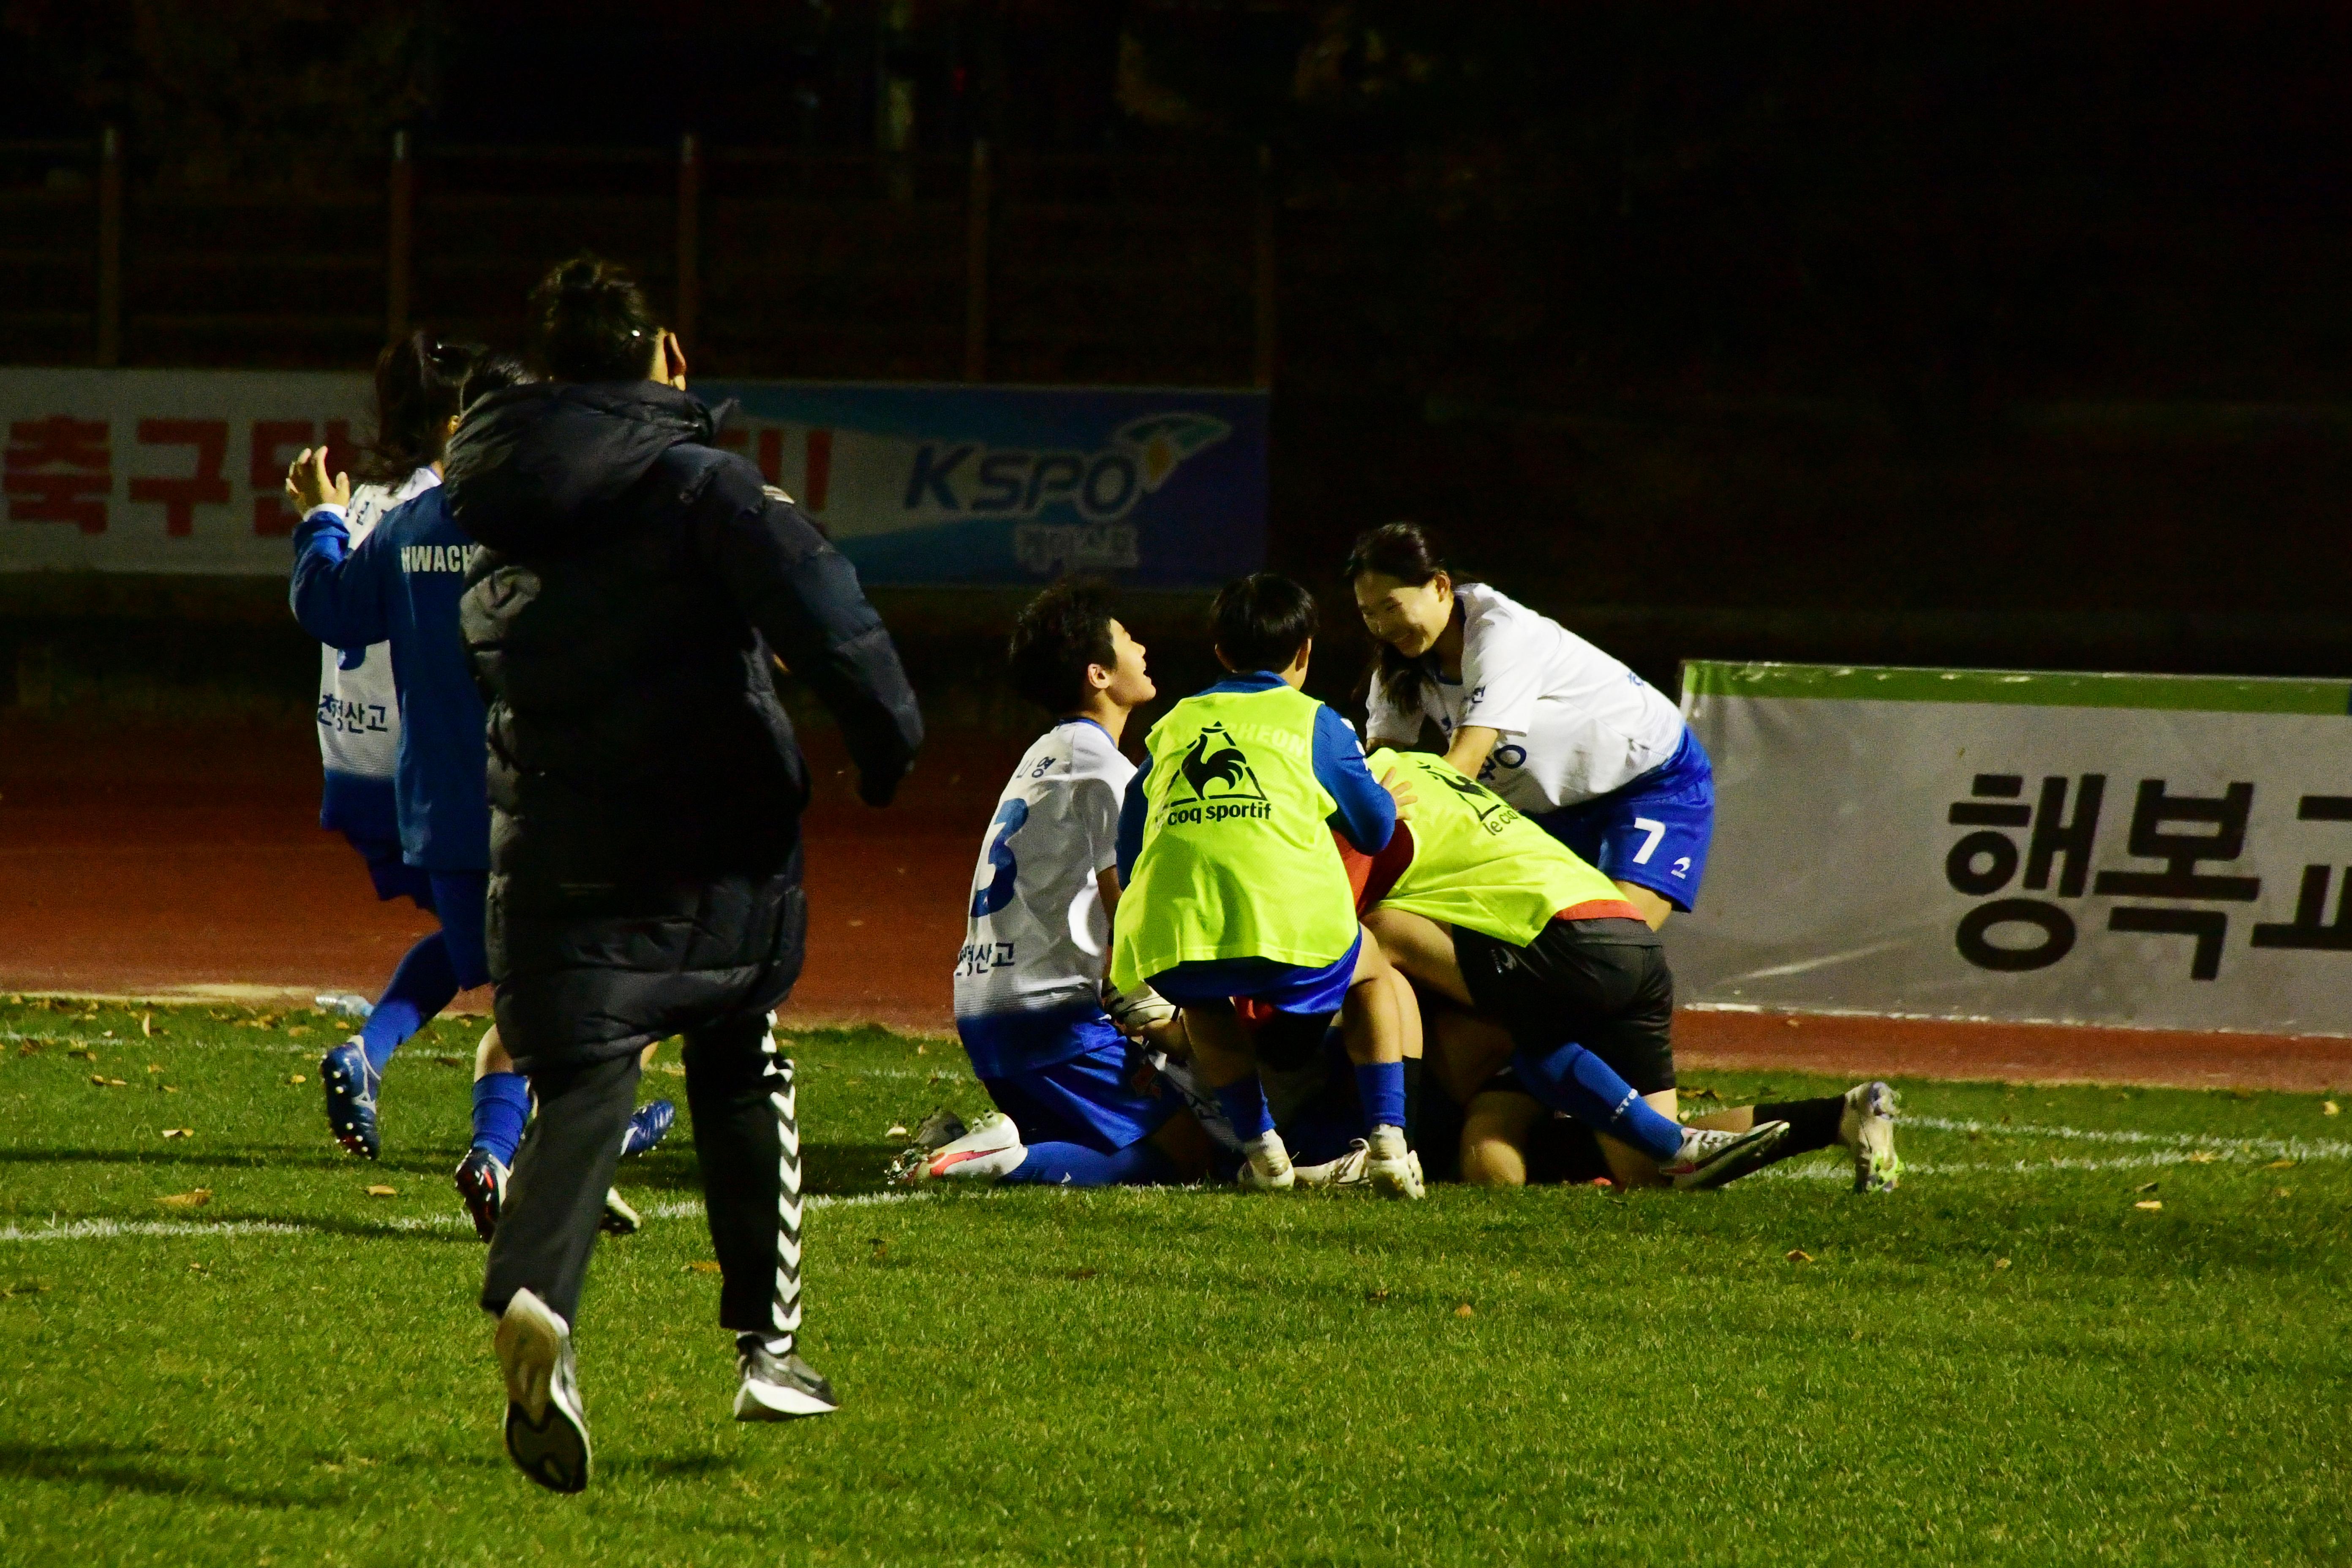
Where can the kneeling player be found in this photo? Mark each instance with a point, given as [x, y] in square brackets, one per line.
[1492, 913]
[1236, 890]
[1026, 981]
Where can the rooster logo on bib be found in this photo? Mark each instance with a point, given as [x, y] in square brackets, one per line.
[1214, 758]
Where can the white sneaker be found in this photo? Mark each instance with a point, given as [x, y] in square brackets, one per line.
[778, 1387]
[1866, 1127]
[989, 1151]
[1268, 1168]
[1711, 1159]
[618, 1218]
[546, 1428]
[1394, 1169]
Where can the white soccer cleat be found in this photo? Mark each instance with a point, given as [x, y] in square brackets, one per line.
[1711, 1159]
[940, 1128]
[989, 1151]
[618, 1218]
[1353, 1169]
[1266, 1166]
[1866, 1127]
[778, 1387]
[1392, 1169]
[546, 1426]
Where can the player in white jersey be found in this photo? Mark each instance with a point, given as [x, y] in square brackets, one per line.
[1567, 735]
[1079, 1107]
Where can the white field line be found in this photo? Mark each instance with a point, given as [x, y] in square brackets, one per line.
[118, 1229]
[2219, 1144]
[953, 1071]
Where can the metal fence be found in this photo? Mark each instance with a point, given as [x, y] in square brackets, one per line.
[1020, 267]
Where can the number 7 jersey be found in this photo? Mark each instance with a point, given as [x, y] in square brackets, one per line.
[1036, 929]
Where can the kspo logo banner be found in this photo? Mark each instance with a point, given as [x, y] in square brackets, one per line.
[934, 484]
[2156, 851]
[179, 472]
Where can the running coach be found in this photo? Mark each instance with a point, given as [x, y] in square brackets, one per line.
[635, 586]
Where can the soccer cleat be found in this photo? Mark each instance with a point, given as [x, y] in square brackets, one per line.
[547, 1430]
[940, 1128]
[1266, 1166]
[618, 1218]
[351, 1087]
[1711, 1159]
[989, 1151]
[648, 1128]
[1353, 1169]
[778, 1387]
[1390, 1167]
[1867, 1126]
[482, 1183]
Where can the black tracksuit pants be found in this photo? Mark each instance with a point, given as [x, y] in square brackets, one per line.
[746, 1137]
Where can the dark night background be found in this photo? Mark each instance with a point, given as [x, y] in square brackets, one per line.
[2002, 333]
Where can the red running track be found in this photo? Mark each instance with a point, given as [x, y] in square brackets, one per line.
[177, 862]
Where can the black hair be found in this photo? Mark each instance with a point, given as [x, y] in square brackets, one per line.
[1055, 637]
[1261, 621]
[416, 382]
[492, 372]
[1412, 555]
[589, 321]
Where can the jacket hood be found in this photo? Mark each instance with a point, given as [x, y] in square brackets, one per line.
[538, 467]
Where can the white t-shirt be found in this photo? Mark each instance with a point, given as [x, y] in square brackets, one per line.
[359, 709]
[1575, 724]
[1038, 929]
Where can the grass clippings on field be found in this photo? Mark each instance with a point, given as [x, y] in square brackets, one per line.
[221, 1349]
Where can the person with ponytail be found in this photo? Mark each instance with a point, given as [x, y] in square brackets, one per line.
[1561, 731]
[394, 592]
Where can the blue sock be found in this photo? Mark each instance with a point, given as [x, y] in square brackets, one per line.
[1075, 1165]
[1244, 1107]
[1380, 1085]
[1570, 1079]
[420, 987]
[502, 1105]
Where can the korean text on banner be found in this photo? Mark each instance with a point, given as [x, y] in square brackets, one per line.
[2148, 851]
[178, 471]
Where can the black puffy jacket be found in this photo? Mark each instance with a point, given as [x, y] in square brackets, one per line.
[620, 618]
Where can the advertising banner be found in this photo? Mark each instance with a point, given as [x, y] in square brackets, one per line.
[179, 472]
[2149, 851]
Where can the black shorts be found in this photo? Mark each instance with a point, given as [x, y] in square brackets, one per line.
[1602, 984]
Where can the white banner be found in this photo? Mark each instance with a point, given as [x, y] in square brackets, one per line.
[2149, 851]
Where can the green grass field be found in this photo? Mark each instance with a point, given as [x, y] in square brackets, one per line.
[2009, 1360]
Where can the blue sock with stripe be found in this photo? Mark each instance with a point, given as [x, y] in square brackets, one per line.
[1244, 1107]
[1380, 1085]
[1570, 1079]
[502, 1105]
[421, 986]
[1076, 1165]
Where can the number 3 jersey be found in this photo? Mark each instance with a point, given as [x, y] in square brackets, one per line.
[1026, 979]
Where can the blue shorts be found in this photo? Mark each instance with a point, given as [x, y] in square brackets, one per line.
[1285, 987]
[393, 876]
[1652, 832]
[1084, 1100]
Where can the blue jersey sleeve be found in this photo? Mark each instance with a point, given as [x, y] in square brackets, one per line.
[1132, 811]
[334, 592]
[1366, 813]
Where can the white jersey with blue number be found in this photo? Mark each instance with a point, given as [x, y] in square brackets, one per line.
[1574, 723]
[1037, 929]
[358, 707]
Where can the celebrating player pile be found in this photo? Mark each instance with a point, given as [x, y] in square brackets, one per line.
[1245, 851]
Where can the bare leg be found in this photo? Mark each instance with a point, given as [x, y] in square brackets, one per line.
[1470, 1048]
[1495, 1130]
[1369, 1020]
[491, 1056]
[1422, 948]
[1219, 1049]
[1655, 909]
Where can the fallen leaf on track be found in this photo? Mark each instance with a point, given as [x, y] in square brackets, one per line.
[2149, 1204]
[1799, 1255]
[895, 1129]
[2203, 1156]
[2145, 1187]
[1463, 1310]
[702, 1267]
[381, 1191]
[298, 1078]
[2327, 1107]
[2280, 1166]
[1999, 1263]
[191, 1200]
[179, 1133]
